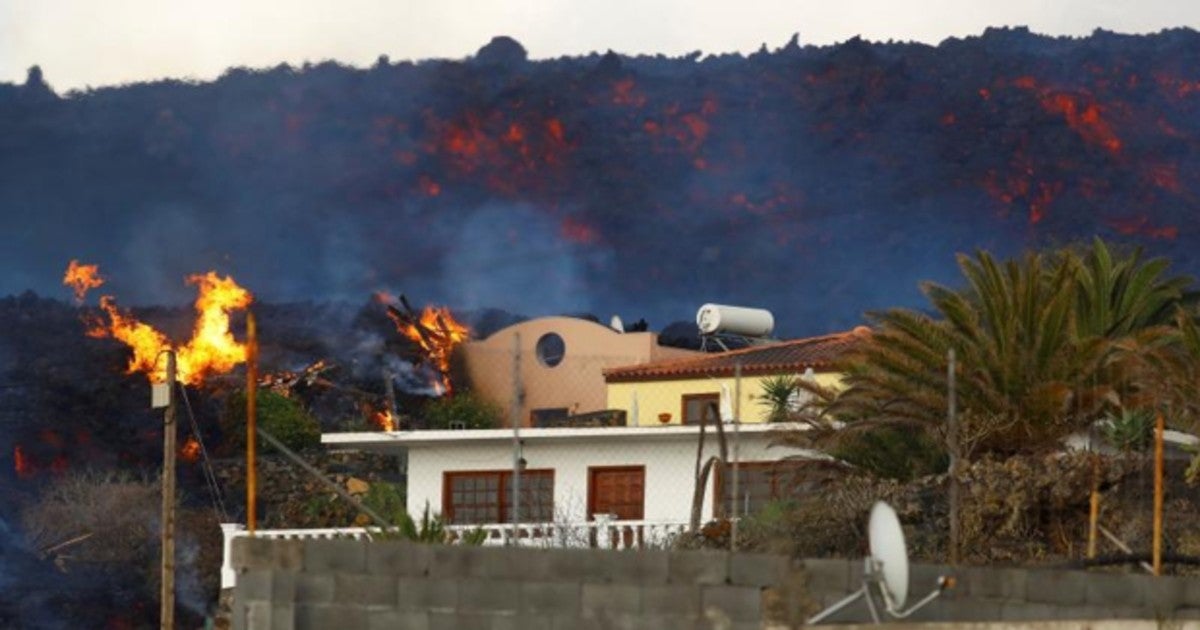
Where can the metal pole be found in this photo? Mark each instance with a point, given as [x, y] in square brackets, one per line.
[1158, 493]
[737, 442]
[515, 418]
[167, 598]
[952, 440]
[251, 423]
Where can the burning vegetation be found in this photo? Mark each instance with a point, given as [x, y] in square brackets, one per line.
[211, 349]
[435, 333]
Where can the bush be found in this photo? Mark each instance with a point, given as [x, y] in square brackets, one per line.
[893, 453]
[387, 500]
[465, 409]
[285, 419]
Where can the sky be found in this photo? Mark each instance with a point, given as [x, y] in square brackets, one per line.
[90, 43]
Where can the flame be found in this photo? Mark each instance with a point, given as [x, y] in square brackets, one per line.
[435, 333]
[21, 463]
[384, 420]
[190, 451]
[82, 278]
[212, 348]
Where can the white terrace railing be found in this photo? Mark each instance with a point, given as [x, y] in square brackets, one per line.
[605, 532]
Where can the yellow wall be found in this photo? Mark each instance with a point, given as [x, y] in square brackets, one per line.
[655, 397]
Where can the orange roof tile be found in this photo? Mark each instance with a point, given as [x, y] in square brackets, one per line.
[795, 355]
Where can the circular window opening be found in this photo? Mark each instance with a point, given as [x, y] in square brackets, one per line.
[550, 349]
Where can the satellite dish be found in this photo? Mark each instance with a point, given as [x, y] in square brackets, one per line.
[886, 539]
[885, 570]
[616, 324]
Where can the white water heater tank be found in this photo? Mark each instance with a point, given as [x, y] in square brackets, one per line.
[735, 320]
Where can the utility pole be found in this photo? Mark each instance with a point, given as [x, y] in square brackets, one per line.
[251, 423]
[167, 598]
[737, 445]
[515, 418]
[1159, 428]
[952, 438]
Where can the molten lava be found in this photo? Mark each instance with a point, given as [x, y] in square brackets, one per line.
[190, 451]
[21, 463]
[82, 278]
[212, 348]
[435, 332]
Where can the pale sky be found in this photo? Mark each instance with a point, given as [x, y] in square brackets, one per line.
[81, 43]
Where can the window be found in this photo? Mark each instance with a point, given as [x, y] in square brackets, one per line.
[760, 483]
[550, 349]
[696, 405]
[485, 496]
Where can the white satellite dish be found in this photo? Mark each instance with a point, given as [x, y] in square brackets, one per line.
[885, 570]
[616, 324]
[886, 539]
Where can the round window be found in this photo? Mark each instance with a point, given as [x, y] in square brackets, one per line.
[550, 349]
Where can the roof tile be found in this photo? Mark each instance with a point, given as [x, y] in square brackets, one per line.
[795, 355]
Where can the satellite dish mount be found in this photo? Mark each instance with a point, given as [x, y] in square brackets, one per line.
[885, 571]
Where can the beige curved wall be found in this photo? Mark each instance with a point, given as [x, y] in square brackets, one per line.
[577, 383]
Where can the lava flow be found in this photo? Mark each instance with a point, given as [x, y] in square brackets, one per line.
[212, 348]
[434, 331]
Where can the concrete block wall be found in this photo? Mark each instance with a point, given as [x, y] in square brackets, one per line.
[1014, 594]
[345, 584]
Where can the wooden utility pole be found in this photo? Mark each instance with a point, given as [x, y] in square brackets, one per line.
[1094, 511]
[1158, 492]
[952, 439]
[167, 597]
[251, 423]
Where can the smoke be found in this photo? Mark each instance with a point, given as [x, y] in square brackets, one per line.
[512, 257]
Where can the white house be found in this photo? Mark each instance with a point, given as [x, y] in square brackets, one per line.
[572, 479]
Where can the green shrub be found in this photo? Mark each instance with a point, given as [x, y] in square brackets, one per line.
[467, 408]
[1130, 431]
[285, 419]
[387, 500]
[893, 453]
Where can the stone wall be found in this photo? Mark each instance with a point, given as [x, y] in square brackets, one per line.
[1012, 594]
[343, 584]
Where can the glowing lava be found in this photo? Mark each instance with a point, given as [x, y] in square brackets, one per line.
[212, 348]
[21, 463]
[190, 451]
[82, 278]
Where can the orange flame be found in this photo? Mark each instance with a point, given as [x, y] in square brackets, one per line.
[22, 464]
[384, 420]
[190, 451]
[212, 348]
[82, 278]
[436, 334]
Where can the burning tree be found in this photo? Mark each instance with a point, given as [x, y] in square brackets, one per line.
[434, 331]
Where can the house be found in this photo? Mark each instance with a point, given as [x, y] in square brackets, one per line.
[677, 391]
[555, 363]
[608, 486]
[574, 480]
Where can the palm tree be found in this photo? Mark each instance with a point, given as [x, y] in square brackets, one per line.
[1046, 344]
